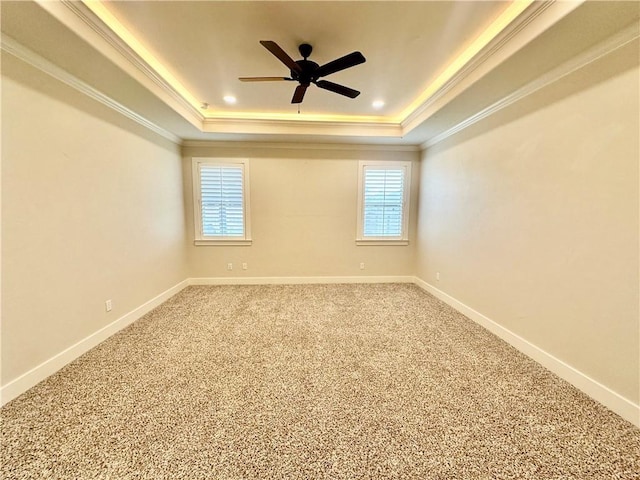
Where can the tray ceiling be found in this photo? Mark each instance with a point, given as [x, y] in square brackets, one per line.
[166, 60]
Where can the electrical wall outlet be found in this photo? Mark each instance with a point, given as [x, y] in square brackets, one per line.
[438, 276]
[244, 266]
[361, 265]
[108, 305]
[229, 266]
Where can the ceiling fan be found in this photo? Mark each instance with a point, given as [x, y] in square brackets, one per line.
[306, 72]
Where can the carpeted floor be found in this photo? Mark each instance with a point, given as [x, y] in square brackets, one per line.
[310, 382]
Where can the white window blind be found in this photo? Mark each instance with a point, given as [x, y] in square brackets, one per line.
[222, 201]
[383, 202]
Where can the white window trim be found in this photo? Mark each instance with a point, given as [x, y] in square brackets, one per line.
[200, 239]
[402, 239]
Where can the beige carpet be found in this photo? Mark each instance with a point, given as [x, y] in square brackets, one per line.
[310, 382]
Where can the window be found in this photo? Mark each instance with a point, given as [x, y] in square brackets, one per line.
[383, 203]
[221, 201]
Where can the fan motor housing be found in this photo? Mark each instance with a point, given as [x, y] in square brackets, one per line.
[306, 72]
[305, 77]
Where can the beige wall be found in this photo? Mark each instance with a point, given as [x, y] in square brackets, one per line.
[303, 216]
[531, 218]
[91, 210]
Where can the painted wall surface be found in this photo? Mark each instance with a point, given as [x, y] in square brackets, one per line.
[92, 209]
[303, 216]
[532, 219]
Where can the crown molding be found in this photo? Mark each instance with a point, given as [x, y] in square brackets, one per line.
[300, 146]
[537, 18]
[85, 24]
[26, 55]
[21, 52]
[424, 111]
[254, 126]
[602, 49]
[91, 17]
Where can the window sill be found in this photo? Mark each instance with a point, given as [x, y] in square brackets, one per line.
[224, 243]
[382, 242]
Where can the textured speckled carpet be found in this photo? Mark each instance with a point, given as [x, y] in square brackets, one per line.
[310, 382]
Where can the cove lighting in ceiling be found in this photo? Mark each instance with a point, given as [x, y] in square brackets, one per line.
[508, 15]
[99, 9]
[457, 64]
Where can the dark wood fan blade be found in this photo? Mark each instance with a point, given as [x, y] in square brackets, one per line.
[354, 58]
[298, 95]
[275, 49]
[262, 79]
[341, 89]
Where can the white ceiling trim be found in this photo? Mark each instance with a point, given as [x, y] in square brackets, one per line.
[532, 21]
[28, 56]
[489, 57]
[80, 20]
[302, 146]
[214, 125]
[609, 45]
[502, 31]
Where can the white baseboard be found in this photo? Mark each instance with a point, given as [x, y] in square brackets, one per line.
[610, 399]
[298, 280]
[617, 403]
[34, 376]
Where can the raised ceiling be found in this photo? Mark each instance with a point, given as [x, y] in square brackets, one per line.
[206, 46]
[164, 59]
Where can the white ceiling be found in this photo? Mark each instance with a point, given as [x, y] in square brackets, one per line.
[208, 45]
[434, 64]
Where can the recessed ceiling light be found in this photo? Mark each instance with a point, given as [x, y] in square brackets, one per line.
[204, 105]
[377, 104]
[229, 99]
